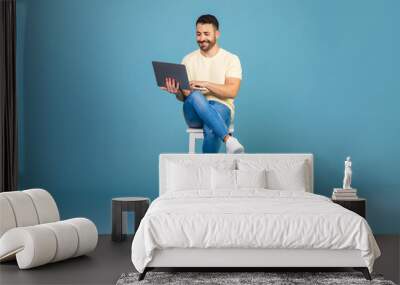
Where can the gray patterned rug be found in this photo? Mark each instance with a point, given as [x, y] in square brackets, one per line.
[231, 278]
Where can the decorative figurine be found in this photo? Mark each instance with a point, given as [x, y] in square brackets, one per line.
[347, 174]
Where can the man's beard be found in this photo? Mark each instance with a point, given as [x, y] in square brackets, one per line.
[208, 46]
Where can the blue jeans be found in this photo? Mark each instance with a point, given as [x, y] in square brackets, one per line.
[214, 117]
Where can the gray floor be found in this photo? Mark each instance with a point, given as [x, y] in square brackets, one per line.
[110, 260]
[102, 266]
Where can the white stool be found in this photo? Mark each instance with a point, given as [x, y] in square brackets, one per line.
[198, 134]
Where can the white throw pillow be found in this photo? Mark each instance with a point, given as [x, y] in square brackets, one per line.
[223, 179]
[181, 178]
[191, 174]
[251, 178]
[281, 174]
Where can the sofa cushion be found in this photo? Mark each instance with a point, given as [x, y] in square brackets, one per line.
[46, 207]
[23, 208]
[7, 220]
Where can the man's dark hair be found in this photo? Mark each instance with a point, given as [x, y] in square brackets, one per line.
[208, 19]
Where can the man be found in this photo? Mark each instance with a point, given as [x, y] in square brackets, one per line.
[214, 76]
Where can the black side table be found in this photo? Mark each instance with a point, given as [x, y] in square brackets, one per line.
[357, 205]
[120, 207]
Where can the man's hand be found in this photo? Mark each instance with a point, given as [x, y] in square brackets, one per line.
[199, 85]
[222, 91]
[172, 86]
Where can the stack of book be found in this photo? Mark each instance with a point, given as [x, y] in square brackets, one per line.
[344, 194]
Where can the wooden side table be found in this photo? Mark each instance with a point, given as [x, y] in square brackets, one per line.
[120, 207]
[358, 205]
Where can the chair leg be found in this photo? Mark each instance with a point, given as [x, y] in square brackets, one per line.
[364, 271]
[192, 143]
[143, 274]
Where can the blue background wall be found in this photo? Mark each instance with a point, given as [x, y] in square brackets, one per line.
[319, 77]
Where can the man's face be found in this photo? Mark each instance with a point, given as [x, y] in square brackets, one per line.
[206, 36]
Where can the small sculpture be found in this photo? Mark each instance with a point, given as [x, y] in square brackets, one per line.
[347, 174]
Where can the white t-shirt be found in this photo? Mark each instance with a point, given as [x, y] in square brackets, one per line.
[213, 69]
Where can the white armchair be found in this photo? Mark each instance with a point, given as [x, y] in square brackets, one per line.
[32, 233]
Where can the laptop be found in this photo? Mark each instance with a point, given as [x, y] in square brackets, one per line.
[163, 70]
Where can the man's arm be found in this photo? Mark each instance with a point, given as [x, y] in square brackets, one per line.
[223, 91]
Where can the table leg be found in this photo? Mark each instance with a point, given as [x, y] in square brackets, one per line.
[118, 222]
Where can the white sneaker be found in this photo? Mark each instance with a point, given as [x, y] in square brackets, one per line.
[233, 146]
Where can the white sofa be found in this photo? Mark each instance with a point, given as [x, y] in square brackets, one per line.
[31, 231]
